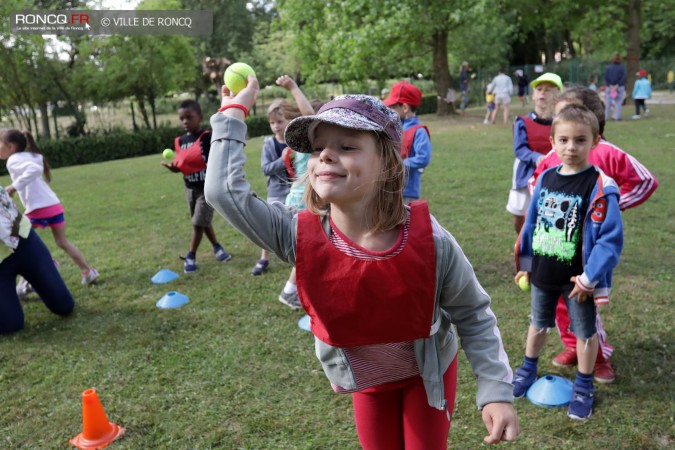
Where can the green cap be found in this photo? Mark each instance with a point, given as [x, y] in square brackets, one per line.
[549, 77]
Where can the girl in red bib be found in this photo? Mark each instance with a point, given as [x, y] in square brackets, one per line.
[388, 290]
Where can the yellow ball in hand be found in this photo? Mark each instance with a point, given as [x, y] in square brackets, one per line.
[236, 77]
[523, 284]
[169, 154]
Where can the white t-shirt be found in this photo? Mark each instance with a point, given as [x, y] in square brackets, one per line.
[25, 169]
[502, 85]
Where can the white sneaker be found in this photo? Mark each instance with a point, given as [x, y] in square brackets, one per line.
[23, 288]
[646, 111]
[291, 300]
[89, 277]
[635, 117]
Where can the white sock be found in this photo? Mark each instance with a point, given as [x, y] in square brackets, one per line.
[290, 288]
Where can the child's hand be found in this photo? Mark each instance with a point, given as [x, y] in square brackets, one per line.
[287, 82]
[246, 97]
[171, 167]
[501, 422]
[521, 274]
[10, 191]
[578, 292]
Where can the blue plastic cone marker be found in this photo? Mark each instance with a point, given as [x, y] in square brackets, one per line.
[164, 276]
[303, 323]
[551, 391]
[172, 299]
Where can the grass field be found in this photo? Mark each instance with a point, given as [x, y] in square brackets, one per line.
[231, 369]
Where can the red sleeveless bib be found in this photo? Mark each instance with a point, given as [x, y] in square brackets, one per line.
[189, 160]
[354, 302]
[537, 135]
[409, 137]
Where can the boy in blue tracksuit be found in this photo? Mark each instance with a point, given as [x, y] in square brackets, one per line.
[570, 243]
[405, 98]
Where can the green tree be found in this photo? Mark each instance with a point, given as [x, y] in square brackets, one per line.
[32, 72]
[139, 66]
[355, 40]
[657, 33]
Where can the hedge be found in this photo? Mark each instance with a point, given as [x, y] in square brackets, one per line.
[92, 148]
[429, 105]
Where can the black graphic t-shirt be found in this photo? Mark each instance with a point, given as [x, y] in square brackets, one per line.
[557, 238]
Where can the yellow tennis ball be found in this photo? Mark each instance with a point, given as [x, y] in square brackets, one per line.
[168, 154]
[523, 284]
[236, 76]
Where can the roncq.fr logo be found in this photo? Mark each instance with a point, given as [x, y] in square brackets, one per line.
[51, 19]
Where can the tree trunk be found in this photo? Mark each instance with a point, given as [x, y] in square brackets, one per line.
[570, 44]
[151, 100]
[133, 116]
[144, 111]
[34, 127]
[633, 52]
[80, 117]
[588, 50]
[44, 116]
[56, 125]
[442, 78]
[549, 50]
[23, 121]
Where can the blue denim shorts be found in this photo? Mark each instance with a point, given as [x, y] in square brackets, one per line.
[58, 220]
[582, 315]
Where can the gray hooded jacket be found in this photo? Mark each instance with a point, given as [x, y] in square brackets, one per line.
[462, 306]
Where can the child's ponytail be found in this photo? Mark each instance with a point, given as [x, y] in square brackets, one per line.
[24, 141]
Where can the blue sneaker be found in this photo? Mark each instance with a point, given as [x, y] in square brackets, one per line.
[221, 254]
[189, 263]
[581, 405]
[260, 267]
[522, 380]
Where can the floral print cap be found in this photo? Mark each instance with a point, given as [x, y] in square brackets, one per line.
[356, 112]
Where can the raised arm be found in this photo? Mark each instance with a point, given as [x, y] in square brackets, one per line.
[303, 104]
[269, 226]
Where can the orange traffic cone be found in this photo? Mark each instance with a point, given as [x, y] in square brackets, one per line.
[97, 432]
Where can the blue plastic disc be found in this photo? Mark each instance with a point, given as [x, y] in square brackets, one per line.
[172, 299]
[303, 323]
[550, 391]
[164, 276]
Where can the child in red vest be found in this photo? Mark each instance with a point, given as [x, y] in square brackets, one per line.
[192, 154]
[405, 98]
[384, 333]
[530, 143]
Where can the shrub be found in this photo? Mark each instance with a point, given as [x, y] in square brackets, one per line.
[92, 148]
[429, 105]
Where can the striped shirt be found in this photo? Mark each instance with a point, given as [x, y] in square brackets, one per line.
[377, 364]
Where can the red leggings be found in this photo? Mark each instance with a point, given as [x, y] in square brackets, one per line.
[398, 416]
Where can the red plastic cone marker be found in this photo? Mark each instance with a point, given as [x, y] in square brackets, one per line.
[97, 432]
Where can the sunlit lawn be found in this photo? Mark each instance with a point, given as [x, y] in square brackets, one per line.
[231, 369]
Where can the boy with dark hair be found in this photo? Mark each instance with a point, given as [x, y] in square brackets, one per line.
[192, 154]
[405, 98]
[570, 243]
